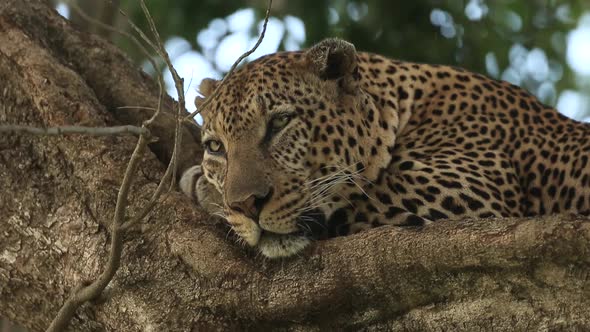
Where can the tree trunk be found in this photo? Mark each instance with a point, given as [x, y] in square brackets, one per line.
[181, 272]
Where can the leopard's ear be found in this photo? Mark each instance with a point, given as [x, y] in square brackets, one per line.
[206, 88]
[334, 59]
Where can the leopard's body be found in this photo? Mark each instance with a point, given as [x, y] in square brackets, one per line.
[355, 140]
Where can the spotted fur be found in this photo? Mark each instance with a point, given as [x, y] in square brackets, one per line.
[330, 142]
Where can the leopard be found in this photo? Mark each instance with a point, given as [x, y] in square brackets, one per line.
[301, 146]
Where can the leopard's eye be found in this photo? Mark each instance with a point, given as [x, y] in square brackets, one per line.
[279, 122]
[214, 146]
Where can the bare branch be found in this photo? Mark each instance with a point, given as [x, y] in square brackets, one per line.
[233, 67]
[140, 32]
[92, 291]
[179, 85]
[68, 130]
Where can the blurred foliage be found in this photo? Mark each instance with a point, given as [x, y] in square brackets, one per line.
[488, 36]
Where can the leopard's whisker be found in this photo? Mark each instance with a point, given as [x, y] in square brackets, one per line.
[319, 191]
[339, 169]
[312, 220]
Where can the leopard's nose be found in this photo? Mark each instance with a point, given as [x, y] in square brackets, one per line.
[251, 206]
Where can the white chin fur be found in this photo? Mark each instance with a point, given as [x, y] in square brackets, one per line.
[279, 246]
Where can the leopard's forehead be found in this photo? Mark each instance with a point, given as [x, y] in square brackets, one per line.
[250, 91]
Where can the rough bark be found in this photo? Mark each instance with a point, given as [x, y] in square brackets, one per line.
[181, 272]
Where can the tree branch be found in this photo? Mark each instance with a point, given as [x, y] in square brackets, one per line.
[68, 130]
[179, 85]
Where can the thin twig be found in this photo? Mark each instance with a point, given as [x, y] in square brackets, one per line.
[178, 84]
[68, 130]
[140, 32]
[233, 67]
[92, 291]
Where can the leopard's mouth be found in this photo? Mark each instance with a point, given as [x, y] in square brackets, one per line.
[311, 227]
[310, 224]
[273, 245]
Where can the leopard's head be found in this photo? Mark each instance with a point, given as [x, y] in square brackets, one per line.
[288, 135]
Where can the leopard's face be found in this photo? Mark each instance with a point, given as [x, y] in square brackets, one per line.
[257, 156]
[286, 140]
